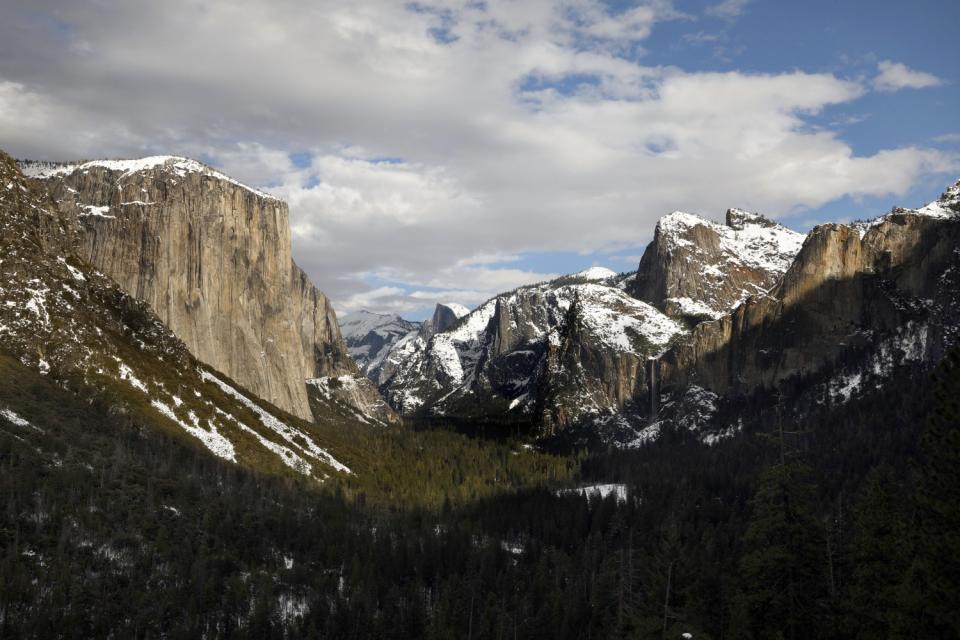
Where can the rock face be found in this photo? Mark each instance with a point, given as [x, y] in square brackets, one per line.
[698, 269]
[891, 285]
[725, 310]
[370, 337]
[65, 319]
[212, 257]
[552, 355]
[445, 315]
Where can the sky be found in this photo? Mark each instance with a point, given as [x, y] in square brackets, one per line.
[448, 150]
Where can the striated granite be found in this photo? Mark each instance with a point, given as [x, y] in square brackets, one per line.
[851, 286]
[64, 319]
[212, 257]
[699, 269]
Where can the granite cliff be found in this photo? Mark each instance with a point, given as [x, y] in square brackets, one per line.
[698, 269]
[890, 284]
[713, 312]
[65, 319]
[212, 257]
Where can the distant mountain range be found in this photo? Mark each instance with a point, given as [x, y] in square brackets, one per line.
[713, 311]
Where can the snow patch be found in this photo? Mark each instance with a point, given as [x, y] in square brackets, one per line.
[211, 439]
[293, 436]
[595, 273]
[178, 165]
[598, 490]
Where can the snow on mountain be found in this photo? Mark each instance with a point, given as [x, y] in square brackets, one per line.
[595, 273]
[698, 269]
[446, 314]
[370, 337]
[743, 239]
[946, 207]
[500, 351]
[175, 164]
[458, 309]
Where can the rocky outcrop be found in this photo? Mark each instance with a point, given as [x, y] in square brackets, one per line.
[445, 315]
[553, 356]
[852, 287]
[370, 337]
[213, 258]
[698, 269]
[65, 319]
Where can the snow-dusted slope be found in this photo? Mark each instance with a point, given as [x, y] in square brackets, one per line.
[65, 319]
[697, 269]
[595, 273]
[946, 207]
[497, 361]
[175, 164]
[370, 336]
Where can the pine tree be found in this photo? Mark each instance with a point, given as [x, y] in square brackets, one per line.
[782, 581]
[931, 590]
[879, 556]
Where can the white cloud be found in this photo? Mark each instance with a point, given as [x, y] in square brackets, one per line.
[442, 142]
[728, 9]
[894, 76]
[947, 138]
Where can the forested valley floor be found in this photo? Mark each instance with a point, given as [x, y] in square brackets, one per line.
[842, 523]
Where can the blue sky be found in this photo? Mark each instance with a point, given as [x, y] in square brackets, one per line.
[843, 38]
[446, 150]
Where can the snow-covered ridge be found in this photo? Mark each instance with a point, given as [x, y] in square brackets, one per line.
[458, 309]
[946, 207]
[178, 165]
[751, 239]
[594, 273]
[360, 323]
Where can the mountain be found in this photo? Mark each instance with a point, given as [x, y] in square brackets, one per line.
[699, 269]
[212, 257]
[712, 313]
[63, 318]
[446, 314]
[507, 361]
[867, 297]
[370, 336]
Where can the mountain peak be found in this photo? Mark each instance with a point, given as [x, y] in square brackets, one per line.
[699, 268]
[446, 314]
[739, 218]
[177, 165]
[948, 204]
[595, 273]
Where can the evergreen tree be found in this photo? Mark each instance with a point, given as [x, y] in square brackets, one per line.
[879, 556]
[782, 581]
[931, 590]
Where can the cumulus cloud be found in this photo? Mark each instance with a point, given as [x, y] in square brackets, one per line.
[894, 76]
[435, 142]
